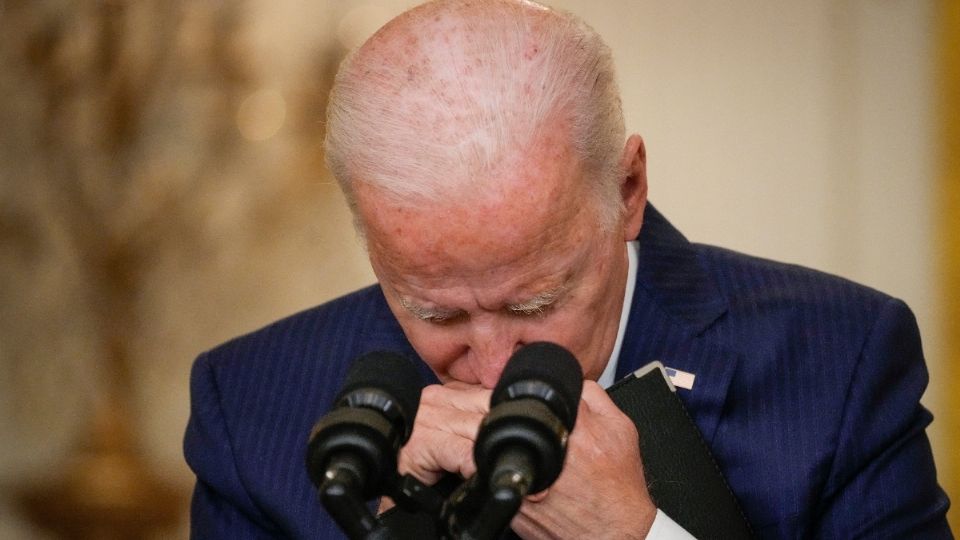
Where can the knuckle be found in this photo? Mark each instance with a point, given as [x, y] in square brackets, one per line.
[431, 393]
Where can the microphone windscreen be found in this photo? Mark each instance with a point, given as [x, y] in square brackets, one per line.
[546, 363]
[390, 373]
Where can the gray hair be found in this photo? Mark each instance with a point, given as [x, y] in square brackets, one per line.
[448, 92]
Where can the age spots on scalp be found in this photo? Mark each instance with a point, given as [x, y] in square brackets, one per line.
[531, 51]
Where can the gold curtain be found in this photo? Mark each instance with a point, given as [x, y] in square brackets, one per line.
[949, 240]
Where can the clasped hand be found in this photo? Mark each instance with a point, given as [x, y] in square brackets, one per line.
[601, 492]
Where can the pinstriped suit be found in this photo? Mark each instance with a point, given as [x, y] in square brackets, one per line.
[807, 391]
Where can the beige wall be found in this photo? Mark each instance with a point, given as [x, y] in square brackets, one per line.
[799, 131]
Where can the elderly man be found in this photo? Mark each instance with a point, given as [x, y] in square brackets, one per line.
[482, 149]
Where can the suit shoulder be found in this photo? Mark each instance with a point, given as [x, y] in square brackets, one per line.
[778, 311]
[750, 280]
[255, 398]
[330, 325]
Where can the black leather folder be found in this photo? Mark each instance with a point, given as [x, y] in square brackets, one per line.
[682, 477]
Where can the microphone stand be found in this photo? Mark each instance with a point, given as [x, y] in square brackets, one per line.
[340, 495]
[483, 512]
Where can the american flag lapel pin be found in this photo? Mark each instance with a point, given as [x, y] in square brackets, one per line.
[681, 379]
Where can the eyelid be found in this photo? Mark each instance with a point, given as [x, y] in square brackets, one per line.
[530, 311]
[438, 317]
[443, 318]
[538, 304]
[428, 314]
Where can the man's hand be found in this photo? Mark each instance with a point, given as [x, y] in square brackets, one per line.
[443, 434]
[601, 492]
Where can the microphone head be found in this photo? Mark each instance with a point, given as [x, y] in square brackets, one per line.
[372, 417]
[391, 374]
[544, 371]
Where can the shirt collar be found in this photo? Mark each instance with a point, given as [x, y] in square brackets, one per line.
[607, 377]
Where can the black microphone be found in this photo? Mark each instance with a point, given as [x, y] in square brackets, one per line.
[532, 410]
[522, 443]
[352, 453]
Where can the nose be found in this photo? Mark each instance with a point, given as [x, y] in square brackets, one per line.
[492, 342]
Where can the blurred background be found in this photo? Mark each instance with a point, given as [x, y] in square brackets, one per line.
[162, 189]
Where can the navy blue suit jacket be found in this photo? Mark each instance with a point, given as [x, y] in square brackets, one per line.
[807, 391]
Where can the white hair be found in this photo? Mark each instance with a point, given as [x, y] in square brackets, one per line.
[448, 92]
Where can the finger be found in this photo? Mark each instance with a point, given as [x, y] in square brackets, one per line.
[386, 503]
[598, 401]
[600, 423]
[539, 496]
[457, 395]
[463, 424]
[456, 408]
[444, 432]
[435, 452]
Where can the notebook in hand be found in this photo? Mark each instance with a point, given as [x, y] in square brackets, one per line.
[682, 477]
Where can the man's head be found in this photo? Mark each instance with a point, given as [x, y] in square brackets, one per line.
[481, 146]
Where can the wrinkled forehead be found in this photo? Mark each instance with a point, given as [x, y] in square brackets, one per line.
[500, 222]
[543, 176]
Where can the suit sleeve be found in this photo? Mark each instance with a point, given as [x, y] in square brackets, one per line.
[221, 506]
[883, 482]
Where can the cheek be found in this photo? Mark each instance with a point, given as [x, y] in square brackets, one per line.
[437, 346]
[570, 329]
[582, 330]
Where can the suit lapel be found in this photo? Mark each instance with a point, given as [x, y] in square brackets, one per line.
[676, 317]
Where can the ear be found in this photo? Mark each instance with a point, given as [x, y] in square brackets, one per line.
[633, 186]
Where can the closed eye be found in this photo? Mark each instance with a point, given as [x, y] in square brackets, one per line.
[538, 306]
[443, 319]
[529, 311]
[431, 315]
